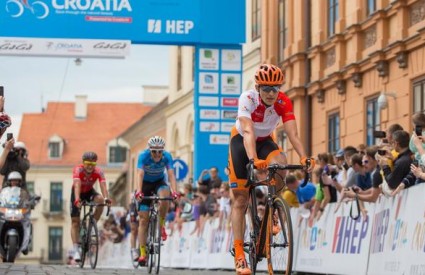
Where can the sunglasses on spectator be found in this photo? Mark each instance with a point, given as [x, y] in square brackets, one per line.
[92, 163]
[268, 89]
[157, 151]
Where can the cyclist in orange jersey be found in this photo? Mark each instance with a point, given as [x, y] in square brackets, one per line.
[259, 113]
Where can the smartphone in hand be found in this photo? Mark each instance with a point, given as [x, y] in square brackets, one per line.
[9, 136]
[1, 91]
[418, 130]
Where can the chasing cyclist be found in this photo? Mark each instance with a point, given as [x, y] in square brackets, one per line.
[151, 180]
[85, 176]
[259, 113]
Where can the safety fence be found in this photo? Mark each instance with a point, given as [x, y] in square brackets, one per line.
[390, 240]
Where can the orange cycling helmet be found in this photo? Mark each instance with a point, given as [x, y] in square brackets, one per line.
[269, 75]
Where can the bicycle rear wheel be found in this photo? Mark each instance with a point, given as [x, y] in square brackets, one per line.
[281, 241]
[83, 242]
[93, 243]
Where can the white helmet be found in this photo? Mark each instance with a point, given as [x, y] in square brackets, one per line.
[20, 145]
[14, 176]
[156, 142]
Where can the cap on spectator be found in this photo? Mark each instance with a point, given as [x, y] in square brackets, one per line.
[340, 153]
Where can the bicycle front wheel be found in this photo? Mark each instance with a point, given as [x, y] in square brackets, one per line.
[83, 242]
[281, 239]
[93, 243]
[154, 245]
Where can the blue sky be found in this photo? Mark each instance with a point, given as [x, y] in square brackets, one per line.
[31, 82]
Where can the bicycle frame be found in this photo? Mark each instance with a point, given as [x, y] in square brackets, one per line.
[87, 224]
[153, 242]
[260, 235]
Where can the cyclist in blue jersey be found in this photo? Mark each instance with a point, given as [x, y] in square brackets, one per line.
[151, 180]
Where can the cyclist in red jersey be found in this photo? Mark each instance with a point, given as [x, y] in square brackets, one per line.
[85, 176]
[260, 110]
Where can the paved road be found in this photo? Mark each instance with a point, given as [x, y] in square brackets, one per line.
[20, 269]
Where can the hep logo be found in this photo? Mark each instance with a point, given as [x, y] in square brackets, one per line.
[154, 26]
[17, 7]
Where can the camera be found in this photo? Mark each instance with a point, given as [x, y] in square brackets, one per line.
[382, 152]
[379, 134]
[418, 130]
[345, 165]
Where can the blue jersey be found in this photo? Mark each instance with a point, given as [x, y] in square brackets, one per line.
[154, 171]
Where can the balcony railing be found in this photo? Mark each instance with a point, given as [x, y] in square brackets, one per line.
[54, 211]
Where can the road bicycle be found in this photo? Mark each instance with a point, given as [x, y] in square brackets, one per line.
[89, 235]
[153, 242]
[271, 236]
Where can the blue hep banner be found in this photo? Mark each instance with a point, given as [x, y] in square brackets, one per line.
[141, 21]
[218, 84]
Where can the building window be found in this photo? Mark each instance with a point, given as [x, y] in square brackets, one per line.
[54, 149]
[419, 96]
[179, 68]
[333, 132]
[256, 20]
[117, 154]
[371, 7]
[282, 30]
[332, 16]
[56, 197]
[373, 120]
[55, 243]
[282, 140]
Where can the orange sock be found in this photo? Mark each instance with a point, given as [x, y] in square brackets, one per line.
[238, 248]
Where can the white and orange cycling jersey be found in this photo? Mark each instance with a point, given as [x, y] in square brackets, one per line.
[265, 118]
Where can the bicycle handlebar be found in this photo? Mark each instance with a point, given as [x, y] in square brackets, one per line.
[273, 168]
[156, 198]
[92, 203]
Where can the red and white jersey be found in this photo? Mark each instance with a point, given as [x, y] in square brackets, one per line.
[87, 180]
[265, 118]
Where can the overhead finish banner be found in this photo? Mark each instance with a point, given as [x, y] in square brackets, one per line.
[64, 47]
[141, 21]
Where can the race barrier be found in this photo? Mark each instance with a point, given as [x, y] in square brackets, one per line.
[390, 240]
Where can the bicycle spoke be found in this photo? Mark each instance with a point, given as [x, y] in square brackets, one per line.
[281, 244]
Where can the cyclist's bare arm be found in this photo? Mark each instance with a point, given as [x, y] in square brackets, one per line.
[247, 126]
[290, 128]
[104, 189]
[77, 189]
[141, 175]
[172, 180]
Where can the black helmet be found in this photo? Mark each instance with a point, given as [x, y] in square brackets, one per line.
[90, 156]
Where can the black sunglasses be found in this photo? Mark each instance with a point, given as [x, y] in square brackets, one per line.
[268, 89]
[157, 151]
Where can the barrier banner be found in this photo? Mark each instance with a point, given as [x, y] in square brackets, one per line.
[221, 243]
[199, 247]
[393, 247]
[415, 215]
[328, 243]
[391, 240]
[180, 255]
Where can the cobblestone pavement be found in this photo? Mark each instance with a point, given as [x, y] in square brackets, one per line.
[21, 269]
